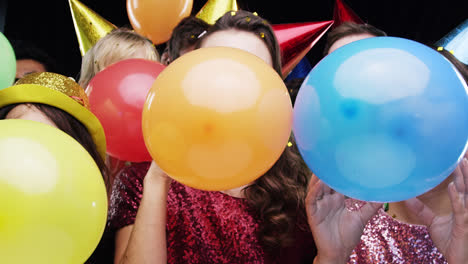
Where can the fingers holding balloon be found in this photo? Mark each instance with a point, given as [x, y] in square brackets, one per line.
[450, 232]
[315, 191]
[313, 180]
[314, 202]
[420, 211]
[322, 200]
[458, 189]
[464, 171]
[459, 180]
[156, 176]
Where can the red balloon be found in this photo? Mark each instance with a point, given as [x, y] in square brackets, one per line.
[116, 96]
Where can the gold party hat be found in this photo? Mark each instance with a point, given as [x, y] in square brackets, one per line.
[89, 26]
[58, 91]
[214, 9]
[59, 83]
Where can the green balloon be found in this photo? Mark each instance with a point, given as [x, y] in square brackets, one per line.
[7, 63]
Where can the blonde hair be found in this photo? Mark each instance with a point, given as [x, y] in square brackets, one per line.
[120, 44]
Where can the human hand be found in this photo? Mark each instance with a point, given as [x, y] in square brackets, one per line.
[156, 176]
[449, 232]
[336, 230]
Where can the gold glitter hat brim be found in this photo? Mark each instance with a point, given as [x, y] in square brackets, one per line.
[33, 93]
[57, 82]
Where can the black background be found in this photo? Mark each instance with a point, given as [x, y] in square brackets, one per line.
[48, 23]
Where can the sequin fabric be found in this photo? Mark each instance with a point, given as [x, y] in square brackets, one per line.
[386, 240]
[203, 227]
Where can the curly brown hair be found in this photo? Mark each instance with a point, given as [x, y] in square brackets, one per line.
[278, 196]
[184, 35]
[278, 199]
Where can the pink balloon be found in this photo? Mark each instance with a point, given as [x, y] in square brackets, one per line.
[117, 95]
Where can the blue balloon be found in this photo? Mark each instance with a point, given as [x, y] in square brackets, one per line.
[382, 119]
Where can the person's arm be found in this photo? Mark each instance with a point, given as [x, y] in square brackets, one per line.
[449, 232]
[121, 242]
[336, 230]
[147, 242]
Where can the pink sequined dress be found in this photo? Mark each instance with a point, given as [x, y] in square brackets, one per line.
[386, 240]
[204, 227]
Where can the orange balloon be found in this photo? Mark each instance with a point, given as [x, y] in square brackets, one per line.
[217, 118]
[155, 19]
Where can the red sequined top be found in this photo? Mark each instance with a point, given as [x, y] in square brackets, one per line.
[386, 240]
[204, 227]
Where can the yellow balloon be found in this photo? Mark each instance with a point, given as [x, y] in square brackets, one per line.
[53, 202]
[217, 118]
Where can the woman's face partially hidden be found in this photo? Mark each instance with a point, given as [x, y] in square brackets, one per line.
[243, 40]
[348, 39]
[29, 112]
[27, 66]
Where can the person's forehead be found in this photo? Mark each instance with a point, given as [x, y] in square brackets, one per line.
[348, 39]
[247, 41]
[228, 35]
[30, 62]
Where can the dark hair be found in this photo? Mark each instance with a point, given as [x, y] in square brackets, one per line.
[461, 67]
[350, 28]
[184, 35]
[247, 21]
[70, 125]
[278, 199]
[293, 86]
[278, 196]
[25, 50]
